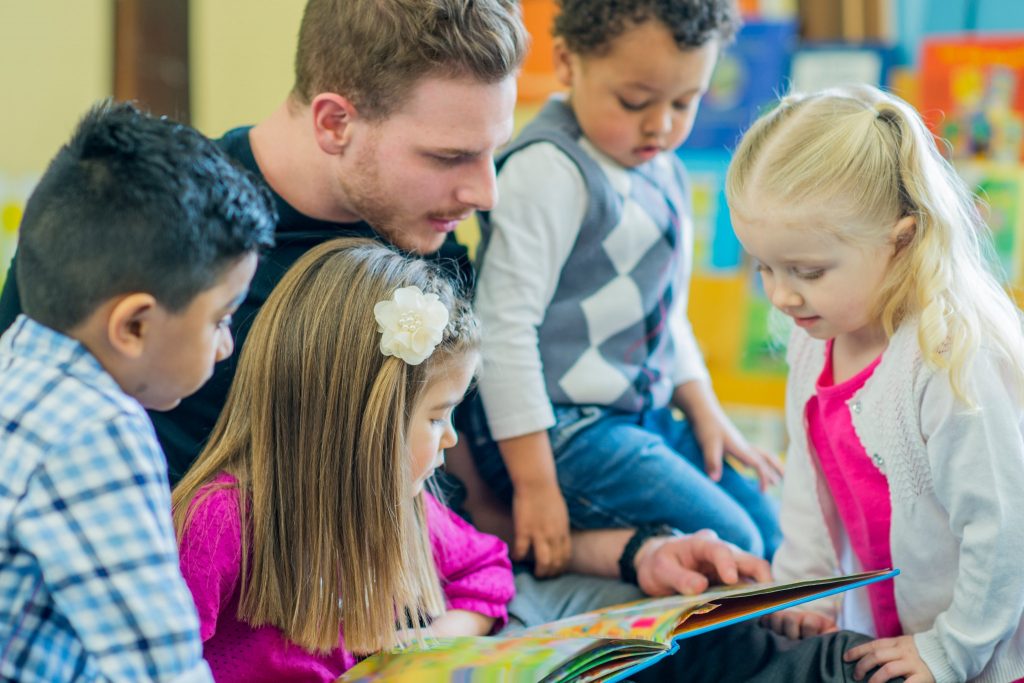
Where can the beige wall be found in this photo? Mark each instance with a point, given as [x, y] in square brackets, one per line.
[55, 60]
[241, 59]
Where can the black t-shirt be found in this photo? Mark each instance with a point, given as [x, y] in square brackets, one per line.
[184, 430]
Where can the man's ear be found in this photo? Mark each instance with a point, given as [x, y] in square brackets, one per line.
[563, 62]
[333, 116]
[130, 322]
[903, 233]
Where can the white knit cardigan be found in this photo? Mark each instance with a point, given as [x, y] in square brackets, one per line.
[956, 482]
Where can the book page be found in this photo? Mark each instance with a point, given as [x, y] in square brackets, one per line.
[651, 620]
[472, 659]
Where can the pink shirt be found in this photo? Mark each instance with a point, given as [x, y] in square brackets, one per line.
[860, 490]
[474, 569]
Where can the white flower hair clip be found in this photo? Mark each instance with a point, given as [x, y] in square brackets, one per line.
[411, 324]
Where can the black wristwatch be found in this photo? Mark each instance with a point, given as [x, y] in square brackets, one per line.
[627, 562]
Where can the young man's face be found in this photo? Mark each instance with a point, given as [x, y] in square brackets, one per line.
[181, 348]
[417, 173]
[640, 97]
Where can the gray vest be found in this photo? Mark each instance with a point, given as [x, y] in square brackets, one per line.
[604, 339]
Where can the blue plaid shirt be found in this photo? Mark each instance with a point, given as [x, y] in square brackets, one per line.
[90, 588]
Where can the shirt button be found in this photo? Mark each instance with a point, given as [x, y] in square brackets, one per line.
[878, 459]
[855, 407]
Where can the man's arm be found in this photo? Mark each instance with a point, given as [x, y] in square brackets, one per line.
[667, 564]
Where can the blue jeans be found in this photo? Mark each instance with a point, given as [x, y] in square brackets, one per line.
[620, 470]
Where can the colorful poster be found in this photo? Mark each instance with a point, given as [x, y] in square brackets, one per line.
[764, 335]
[972, 94]
[748, 77]
[716, 250]
[1000, 189]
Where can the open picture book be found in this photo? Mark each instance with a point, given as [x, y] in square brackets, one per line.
[603, 645]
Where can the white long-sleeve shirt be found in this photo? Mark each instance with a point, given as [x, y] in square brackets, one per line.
[534, 229]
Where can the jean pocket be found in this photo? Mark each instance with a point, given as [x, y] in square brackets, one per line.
[570, 421]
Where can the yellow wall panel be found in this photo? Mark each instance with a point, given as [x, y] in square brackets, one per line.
[56, 59]
[241, 60]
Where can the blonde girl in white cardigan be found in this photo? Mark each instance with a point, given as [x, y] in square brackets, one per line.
[905, 400]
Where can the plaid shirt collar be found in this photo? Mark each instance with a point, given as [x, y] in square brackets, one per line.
[29, 340]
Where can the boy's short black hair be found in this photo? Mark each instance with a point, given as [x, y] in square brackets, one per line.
[589, 26]
[135, 203]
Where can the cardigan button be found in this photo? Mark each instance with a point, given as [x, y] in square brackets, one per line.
[878, 459]
[855, 407]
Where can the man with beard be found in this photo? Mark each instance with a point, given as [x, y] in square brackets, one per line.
[388, 132]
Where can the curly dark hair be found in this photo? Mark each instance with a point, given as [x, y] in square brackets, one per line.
[589, 26]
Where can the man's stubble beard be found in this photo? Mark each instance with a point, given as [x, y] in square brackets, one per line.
[366, 197]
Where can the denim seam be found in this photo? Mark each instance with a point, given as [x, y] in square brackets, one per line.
[615, 518]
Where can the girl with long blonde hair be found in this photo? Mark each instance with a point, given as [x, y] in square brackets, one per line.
[904, 402]
[305, 534]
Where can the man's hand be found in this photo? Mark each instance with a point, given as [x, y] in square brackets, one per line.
[796, 624]
[666, 565]
[542, 523]
[896, 657]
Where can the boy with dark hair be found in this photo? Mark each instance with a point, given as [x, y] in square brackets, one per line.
[135, 249]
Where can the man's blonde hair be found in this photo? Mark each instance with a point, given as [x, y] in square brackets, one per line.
[374, 51]
[315, 430]
[867, 159]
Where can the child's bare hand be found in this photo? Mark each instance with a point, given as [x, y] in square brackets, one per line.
[717, 436]
[797, 624]
[896, 657]
[541, 522]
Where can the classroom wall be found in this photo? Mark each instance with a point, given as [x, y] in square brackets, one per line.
[241, 60]
[55, 60]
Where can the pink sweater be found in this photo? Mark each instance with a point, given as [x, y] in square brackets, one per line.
[860, 490]
[473, 567]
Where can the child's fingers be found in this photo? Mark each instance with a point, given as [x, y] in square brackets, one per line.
[551, 554]
[713, 451]
[775, 462]
[521, 544]
[894, 669]
[793, 625]
[776, 622]
[867, 648]
[541, 558]
[812, 625]
[874, 658]
[765, 465]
